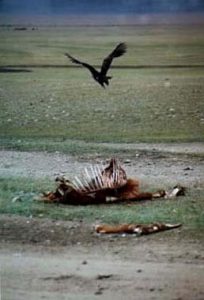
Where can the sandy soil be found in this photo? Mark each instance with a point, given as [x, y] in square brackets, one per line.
[46, 259]
[154, 163]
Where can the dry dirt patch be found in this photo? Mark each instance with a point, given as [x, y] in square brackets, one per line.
[45, 259]
[154, 163]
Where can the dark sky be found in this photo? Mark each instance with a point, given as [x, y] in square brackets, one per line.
[99, 6]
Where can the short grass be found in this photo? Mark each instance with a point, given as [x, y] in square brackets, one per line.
[187, 210]
[150, 104]
[147, 45]
[140, 105]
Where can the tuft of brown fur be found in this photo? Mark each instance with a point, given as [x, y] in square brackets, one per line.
[140, 229]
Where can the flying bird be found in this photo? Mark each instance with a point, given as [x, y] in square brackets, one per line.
[101, 77]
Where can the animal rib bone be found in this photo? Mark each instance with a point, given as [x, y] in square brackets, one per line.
[97, 178]
[77, 183]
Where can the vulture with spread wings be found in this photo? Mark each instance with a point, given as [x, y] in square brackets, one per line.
[101, 77]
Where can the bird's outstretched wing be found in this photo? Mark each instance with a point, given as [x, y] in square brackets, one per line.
[118, 51]
[76, 61]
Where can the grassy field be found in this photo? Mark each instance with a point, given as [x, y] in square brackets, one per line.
[187, 210]
[138, 106]
[149, 102]
[147, 45]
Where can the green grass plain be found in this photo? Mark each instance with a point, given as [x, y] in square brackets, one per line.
[147, 45]
[187, 210]
[156, 96]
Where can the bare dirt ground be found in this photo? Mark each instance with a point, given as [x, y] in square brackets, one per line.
[152, 163]
[47, 259]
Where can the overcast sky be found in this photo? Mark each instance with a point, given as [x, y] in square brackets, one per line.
[99, 6]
